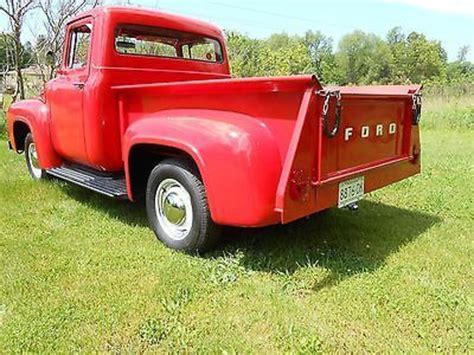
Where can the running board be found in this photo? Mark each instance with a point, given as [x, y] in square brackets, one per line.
[111, 185]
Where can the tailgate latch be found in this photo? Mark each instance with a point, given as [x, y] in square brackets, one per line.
[330, 132]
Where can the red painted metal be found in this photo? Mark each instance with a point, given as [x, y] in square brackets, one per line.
[258, 142]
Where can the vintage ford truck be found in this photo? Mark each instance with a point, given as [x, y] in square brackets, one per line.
[144, 107]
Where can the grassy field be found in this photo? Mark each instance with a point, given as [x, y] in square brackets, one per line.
[81, 272]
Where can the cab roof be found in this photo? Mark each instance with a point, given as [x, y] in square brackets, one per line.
[201, 27]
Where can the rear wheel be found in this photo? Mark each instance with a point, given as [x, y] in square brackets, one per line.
[32, 162]
[177, 207]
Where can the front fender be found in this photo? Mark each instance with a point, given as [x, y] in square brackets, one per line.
[35, 114]
[236, 154]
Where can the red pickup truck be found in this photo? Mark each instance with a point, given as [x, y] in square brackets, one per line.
[144, 106]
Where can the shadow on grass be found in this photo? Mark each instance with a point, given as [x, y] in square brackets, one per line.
[342, 242]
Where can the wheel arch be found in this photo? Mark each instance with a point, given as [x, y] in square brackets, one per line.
[237, 158]
[20, 131]
[143, 157]
[32, 116]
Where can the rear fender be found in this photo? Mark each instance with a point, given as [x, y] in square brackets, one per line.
[35, 114]
[236, 155]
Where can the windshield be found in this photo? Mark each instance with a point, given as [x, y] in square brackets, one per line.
[161, 42]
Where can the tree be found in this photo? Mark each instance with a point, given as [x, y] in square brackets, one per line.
[395, 36]
[463, 52]
[6, 53]
[16, 10]
[321, 53]
[461, 70]
[425, 60]
[363, 59]
[243, 53]
[288, 60]
[278, 41]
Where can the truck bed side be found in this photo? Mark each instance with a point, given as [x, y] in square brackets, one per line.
[237, 131]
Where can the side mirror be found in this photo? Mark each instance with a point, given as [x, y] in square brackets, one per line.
[50, 59]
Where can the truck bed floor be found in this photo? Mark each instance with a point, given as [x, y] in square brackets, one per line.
[112, 185]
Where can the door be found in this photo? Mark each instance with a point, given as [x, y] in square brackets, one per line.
[65, 94]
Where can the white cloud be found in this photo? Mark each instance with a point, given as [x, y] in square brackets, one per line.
[465, 7]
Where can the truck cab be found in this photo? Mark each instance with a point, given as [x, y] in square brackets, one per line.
[121, 46]
[143, 107]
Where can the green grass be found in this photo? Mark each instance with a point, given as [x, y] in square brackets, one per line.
[448, 112]
[81, 272]
[3, 126]
[7, 100]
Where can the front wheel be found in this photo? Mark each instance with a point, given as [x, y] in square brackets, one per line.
[177, 207]
[32, 161]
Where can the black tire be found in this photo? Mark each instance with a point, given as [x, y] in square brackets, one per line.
[34, 170]
[202, 234]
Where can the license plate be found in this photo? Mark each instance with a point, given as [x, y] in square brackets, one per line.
[350, 191]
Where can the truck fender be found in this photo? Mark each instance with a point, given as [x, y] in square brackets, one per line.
[236, 155]
[35, 115]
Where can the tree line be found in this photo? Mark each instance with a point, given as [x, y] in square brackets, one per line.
[359, 58]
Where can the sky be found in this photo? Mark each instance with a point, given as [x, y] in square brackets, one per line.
[451, 22]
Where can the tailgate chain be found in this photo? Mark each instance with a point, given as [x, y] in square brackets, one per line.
[327, 94]
[416, 108]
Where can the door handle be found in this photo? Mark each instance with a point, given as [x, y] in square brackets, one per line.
[79, 85]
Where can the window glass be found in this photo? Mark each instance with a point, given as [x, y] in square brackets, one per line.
[80, 38]
[201, 51]
[160, 42]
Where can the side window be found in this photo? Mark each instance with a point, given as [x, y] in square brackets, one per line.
[79, 43]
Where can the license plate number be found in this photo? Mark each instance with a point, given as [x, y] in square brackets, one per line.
[350, 191]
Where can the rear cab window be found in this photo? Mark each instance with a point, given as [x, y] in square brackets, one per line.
[151, 41]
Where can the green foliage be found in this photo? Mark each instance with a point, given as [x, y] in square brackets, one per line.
[3, 125]
[7, 100]
[448, 109]
[6, 53]
[280, 55]
[417, 60]
[287, 60]
[320, 49]
[243, 53]
[361, 58]
[5, 50]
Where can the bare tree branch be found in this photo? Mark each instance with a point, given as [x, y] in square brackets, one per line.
[16, 10]
[56, 14]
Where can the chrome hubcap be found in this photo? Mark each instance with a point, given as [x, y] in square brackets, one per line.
[174, 209]
[34, 163]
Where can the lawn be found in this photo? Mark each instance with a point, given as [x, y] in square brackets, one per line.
[81, 272]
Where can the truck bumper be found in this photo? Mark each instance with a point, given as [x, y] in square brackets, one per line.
[325, 195]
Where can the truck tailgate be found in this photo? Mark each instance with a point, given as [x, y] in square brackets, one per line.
[368, 133]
